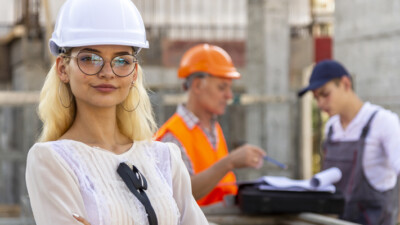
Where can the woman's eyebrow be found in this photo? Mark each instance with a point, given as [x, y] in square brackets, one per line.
[115, 54]
[90, 50]
[123, 53]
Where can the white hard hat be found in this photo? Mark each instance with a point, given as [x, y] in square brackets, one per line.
[98, 22]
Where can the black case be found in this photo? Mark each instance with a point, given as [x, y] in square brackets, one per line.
[251, 200]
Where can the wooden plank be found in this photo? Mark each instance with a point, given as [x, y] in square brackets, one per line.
[244, 99]
[16, 221]
[17, 32]
[20, 98]
[228, 213]
[242, 220]
[10, 210]
[320, 219]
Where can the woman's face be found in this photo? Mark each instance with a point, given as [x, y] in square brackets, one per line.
[104, 88]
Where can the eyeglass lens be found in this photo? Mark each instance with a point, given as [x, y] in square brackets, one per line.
[91, 64]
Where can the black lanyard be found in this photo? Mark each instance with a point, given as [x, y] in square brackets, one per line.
[137, 184]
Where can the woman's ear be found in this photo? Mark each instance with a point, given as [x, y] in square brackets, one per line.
[61, 68]
[135, 73]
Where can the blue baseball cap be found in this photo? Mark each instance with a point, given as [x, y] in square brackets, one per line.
[323, 72]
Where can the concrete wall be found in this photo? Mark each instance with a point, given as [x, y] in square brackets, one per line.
[366, 41]
[20, 126]
[269, 125]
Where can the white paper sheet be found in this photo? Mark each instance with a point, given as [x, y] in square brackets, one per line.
[321, 182]
[326, 177]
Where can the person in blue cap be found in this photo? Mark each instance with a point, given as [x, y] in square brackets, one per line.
[362, 140]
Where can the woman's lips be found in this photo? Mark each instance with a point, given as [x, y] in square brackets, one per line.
[105, 87]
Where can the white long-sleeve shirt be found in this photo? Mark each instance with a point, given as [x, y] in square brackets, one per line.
[65, 177]
[381, 161]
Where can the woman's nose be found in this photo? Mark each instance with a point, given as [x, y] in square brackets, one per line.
[106, 71]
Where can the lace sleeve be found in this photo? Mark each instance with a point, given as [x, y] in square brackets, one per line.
[182, 190]
[52, 187]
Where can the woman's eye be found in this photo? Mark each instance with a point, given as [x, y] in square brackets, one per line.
[91, 59]
[85, 58]
[121, 62]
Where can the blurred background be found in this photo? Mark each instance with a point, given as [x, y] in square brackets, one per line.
[273, 43]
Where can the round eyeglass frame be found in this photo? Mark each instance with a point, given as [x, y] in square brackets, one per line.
[104, 62]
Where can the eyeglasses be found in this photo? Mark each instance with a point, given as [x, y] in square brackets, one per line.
[92, 64]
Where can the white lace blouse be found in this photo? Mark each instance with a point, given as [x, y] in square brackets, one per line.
[65, 177]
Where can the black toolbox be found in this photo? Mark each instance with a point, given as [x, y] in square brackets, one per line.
[252, 200]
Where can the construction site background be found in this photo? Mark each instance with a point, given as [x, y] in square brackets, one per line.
[274, 44]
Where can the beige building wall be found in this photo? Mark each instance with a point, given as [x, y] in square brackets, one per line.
[366, 41]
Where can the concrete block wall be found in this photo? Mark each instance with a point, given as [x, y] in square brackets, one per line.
[20, 125]
[366, 41]
[270, 125]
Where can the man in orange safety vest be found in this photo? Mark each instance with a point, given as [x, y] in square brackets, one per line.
[208, 72]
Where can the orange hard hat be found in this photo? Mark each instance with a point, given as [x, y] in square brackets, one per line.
[209, 59]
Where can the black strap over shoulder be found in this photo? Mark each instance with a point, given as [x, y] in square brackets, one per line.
[365, 129]
[137, 184]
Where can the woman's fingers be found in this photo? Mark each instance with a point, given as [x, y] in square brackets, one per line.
[80, 219]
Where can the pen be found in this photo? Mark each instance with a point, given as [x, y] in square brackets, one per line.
[281, 165]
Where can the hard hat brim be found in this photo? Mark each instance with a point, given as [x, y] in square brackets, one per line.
[231, 75]
[55, 48]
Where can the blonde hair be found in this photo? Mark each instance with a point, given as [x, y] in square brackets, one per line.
[57, 118]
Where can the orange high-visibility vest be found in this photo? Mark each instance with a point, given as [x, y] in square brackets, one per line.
[202, 154]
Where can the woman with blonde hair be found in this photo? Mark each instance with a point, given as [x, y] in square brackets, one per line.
[95, 162]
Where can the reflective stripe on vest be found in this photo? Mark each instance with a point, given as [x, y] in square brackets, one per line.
[202, 154]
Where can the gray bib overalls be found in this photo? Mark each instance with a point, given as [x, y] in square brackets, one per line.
[363, 204]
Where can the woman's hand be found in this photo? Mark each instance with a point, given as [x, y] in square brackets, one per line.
[80, 219]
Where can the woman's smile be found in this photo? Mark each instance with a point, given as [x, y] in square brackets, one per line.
[105, 88]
